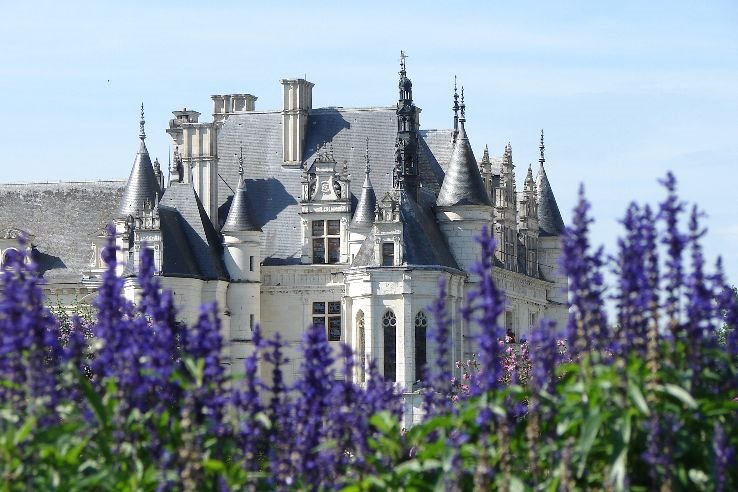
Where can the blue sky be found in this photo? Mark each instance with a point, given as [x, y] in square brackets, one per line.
[624, 90]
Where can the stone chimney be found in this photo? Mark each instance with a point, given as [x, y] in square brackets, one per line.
[297, 101]
[226, 104]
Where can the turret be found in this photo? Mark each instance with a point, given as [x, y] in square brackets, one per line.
[242, 254]
[406, 176]
[363, 218]
[528, 227]
[141, 193]
[463, 206]
[550, 229]
[505, 215]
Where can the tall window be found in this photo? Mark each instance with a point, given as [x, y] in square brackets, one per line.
[389, 325]
[361, 348]
[328, 314]
[388, 254]
[326, 241]
[421, 358]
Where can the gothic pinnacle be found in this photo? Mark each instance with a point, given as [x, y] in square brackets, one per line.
[367, 156]
[240, 163]
[463, 106]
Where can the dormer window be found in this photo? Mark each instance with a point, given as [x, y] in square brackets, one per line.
[326, 241]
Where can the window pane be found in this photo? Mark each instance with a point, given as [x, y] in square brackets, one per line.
[334, 329]
[334, 308]
[388, 254]
[318, 228]
[318, 308]
[390, 348]
[334, 227]
[319, 321]
[334, 250]
[318, 251]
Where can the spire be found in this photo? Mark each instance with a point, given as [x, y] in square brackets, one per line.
[485, 155]
[405, 175]
[550, 222]
[365, 208]
[462, 107]
[143, 184]
[238, 216]
[541, 148]
[141, 125]
[463, 184]
[456, 111]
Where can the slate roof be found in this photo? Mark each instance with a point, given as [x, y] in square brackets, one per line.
[550, 222]
[423, 242]
[274, 190]
[463, 185]
[64, 217]
[192, 247]
[141, 186]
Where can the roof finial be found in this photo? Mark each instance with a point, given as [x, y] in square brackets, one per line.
[402, 62]
[542, 147]
[463, 106]
[240, 163]
[141, 129]
[367, 156]
[456, 110]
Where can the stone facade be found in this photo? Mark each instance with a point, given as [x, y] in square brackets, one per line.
[283, 236]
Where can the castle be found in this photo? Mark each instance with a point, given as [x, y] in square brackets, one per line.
[344, 217]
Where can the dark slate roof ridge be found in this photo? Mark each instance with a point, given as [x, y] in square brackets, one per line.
[142, 184]
[195, 227]
[550, 222]
[238, 216]
[462, 183]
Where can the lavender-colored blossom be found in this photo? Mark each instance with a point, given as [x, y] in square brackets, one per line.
[724, 457]
[30, 352]
[630, 333]
[484, 305]
[437, 394]
[314, 389]
[676, 242]
[248, 401]
[587, 329]
[204, 342]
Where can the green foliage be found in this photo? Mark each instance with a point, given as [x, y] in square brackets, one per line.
[593, 437]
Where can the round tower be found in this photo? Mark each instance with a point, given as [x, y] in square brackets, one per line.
[463, 207]
[242, 254]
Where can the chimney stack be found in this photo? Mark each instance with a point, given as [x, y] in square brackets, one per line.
[297, 101]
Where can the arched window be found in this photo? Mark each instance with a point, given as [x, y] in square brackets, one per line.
[361, 345]
[421, 357]
[389, 325]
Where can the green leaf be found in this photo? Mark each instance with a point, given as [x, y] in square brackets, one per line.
[680, 394]
[25, 430]
[589, 434]
[215, 466]
[637, 396]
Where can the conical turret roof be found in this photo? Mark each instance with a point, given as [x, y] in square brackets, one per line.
[462, 185]
[364, 213]
[238, 216]
[142, 184]
[550, 222]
